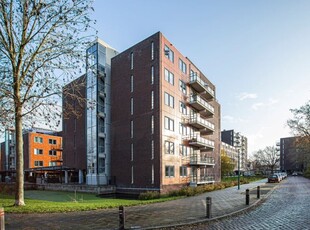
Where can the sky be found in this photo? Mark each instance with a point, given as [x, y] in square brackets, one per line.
[257, 53]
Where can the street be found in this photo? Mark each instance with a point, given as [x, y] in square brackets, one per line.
[286, 208]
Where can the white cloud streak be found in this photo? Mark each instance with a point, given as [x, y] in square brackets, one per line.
[244, 96]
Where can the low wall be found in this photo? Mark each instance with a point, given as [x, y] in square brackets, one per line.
[79, 188]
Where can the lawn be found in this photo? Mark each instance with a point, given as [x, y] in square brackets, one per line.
[54, 201]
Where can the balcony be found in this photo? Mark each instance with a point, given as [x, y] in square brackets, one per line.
[201, 105]
[201, 179]
[201, 87]
[197, 160]
[200, 142]
[200, 123]
[56, 159]
[56, 147]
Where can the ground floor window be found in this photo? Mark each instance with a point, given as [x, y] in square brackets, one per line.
[169, 171]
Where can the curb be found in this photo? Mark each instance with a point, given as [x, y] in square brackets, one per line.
[235, 213]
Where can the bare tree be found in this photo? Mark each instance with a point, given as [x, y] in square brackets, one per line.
[300, 127]
[42, 47]
[267, 158]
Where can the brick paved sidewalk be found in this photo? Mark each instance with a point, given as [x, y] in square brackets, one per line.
[176, 212]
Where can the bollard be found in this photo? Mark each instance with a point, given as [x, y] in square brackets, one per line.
[121, 213]
[247, 197]
[208, 207]
[258, 192]
[2, 223]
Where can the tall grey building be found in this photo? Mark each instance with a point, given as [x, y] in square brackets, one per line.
[98, 120]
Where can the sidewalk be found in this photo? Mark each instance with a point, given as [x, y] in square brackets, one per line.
[171, 213]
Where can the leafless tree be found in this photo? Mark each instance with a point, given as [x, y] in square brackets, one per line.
[42, 47]
[300, 127]
[267, 158]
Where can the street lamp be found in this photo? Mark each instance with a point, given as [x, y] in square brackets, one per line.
[238, 169]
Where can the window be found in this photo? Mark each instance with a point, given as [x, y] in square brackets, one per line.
[183, 109]
[152, 51]
[152, 99]
[182, 66]
[131, 106]
[152, 75]
[169, 100]
[131, 152]
[52, 163]
[52, 153]
[169, 124]
[182, 87]
[183, 129]
[38, 163]
[52, 141]
[152, 174]
[152, 124]
[131, 83]
[38, 139]
[131, 129]
[184, 150]
[169, 147]
[169, 171]
[131, 174]
[169, 77]
[183, 171]
[131, 60]
[38, 151]
[169, 53]
[152, 149]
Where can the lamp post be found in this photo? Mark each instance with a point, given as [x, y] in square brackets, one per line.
[238, 169]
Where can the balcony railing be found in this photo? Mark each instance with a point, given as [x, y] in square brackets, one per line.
[198, 141]
[200, 123]
[200, 104]
[201, 87]
[202, 179]
[201, 160]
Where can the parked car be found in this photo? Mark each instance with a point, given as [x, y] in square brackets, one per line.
[274, 178]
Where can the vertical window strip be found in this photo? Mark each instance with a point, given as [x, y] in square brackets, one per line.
[131, 83]
[131, 152]
[152, 75]
[131, 106]
[152, 124]
[131, 60]
[131, 128]
[152, 51]
[152, 99]
[132, 175]
[152, 149]
[152, 174]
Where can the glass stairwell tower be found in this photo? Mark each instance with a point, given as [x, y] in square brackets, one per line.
[98, 114]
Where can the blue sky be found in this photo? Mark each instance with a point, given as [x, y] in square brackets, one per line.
[256, 52]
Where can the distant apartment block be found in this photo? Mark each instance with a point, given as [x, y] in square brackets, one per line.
[42, 148]
[291, 157]
[165, 120]
[232, 153]
[240, 142]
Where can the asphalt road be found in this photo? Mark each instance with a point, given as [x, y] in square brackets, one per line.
[288, 207]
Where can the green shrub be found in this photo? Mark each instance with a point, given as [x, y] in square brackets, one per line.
[149, 195]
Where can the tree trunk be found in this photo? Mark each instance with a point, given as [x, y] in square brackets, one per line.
[19, 190]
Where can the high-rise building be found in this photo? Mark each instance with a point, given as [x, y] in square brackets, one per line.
[165, 120]
[240, 142]
[291, 157]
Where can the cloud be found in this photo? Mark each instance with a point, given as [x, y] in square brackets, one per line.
[243, 96]
[231, 119]
[269, 103]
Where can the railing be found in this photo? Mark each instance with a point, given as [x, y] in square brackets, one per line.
[197, 119]
[201, 140]
[198, 99]
[202, 179]
[197, 159]
[196, 78]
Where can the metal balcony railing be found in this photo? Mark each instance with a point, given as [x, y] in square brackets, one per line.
[200, 104]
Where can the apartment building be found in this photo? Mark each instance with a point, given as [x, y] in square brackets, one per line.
[232, 153]
[165, 120]
[240, 142]
[42, 148]
[292, 156]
